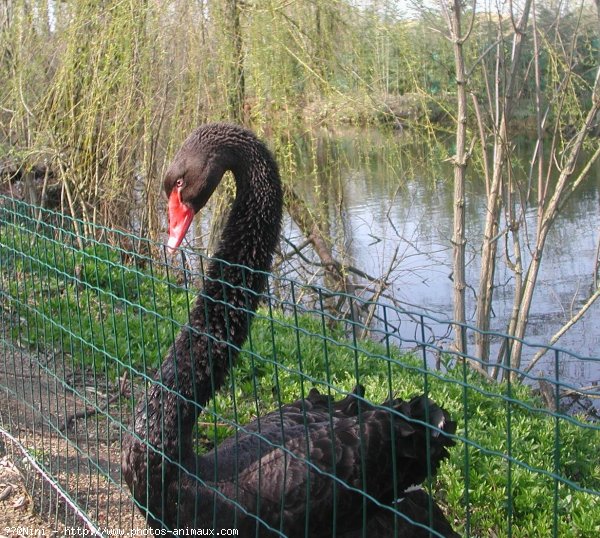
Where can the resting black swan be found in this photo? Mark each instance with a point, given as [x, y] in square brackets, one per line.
[249, 482]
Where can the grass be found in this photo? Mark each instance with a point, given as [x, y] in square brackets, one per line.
[513, 457]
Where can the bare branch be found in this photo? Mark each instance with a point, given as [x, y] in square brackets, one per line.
[562, 331]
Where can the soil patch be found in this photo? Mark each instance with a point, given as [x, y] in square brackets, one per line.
[59, 463]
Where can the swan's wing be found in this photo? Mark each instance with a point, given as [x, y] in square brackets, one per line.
[285, 486]
[327, 462]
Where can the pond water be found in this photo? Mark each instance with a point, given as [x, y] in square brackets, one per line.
[382, 196]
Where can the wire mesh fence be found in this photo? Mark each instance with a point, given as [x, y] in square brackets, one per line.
[87, 315]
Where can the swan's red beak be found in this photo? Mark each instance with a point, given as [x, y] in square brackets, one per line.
[180, 218]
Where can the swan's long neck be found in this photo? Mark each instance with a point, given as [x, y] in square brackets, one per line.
[205, 350]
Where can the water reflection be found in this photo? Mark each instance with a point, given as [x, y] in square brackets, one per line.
[380, 195]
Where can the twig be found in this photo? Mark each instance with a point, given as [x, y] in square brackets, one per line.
[220, 424]
[339, 266]
[378, 293]
[562, 331]
[597, 264]
[583, 391]
[550, 396]
[90, 411]
[474, 365]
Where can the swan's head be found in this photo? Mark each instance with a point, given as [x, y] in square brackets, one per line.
[190, 181]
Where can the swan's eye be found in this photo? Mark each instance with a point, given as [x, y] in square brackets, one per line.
[179, 183]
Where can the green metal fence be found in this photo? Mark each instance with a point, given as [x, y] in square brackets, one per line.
[88, 313]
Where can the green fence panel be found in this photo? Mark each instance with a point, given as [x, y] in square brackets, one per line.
[87, 315]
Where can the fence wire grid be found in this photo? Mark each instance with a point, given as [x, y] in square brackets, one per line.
[87, 315]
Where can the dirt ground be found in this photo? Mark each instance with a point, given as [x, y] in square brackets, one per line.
[17, 508]
[59, 463]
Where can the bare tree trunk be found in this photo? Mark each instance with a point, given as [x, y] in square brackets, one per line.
[237, 84]
[460, 165]
[490, 234]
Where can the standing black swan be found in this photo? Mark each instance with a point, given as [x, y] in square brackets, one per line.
[249, 482]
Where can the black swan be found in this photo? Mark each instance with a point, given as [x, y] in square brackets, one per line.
[249, 482]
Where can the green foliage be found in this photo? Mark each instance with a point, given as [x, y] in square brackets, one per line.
[87, 303]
